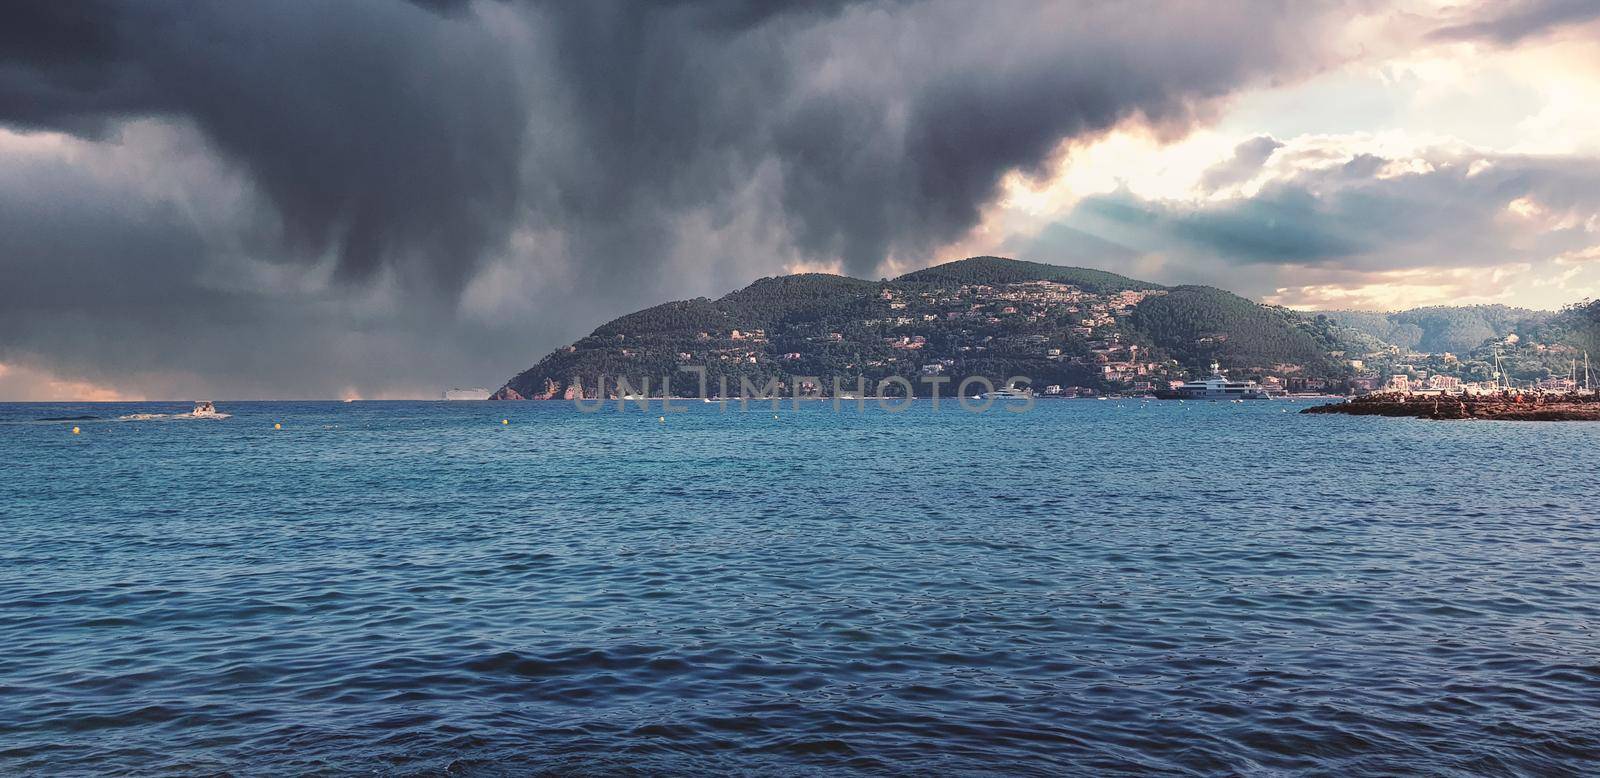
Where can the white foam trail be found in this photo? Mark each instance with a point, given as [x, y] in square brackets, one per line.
[170, 416]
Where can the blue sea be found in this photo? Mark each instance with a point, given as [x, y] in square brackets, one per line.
[1088, 588]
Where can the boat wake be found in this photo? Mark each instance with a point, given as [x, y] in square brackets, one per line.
[202, 410]
[171, 416]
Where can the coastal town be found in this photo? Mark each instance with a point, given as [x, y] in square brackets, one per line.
[1066, 325]
[1058, 323]
[1431, 386]
[1071, 332]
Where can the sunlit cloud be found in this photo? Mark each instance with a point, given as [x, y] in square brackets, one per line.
[1403, 175]
[1398, 289]
[19, 383]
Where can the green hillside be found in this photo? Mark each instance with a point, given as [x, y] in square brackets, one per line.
[1579, 326]
[1198, 324]
[1444, 328]
[797, 298]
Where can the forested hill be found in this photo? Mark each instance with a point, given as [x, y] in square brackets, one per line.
[1445, 328]
[986, 316]
[1579, 326]
[1197, 324]
[998, 270]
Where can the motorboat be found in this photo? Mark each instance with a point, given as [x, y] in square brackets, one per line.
[204, 409]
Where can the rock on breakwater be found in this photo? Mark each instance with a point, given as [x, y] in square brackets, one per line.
[1501, 407]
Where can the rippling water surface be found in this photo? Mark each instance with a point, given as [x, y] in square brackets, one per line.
[415, 588]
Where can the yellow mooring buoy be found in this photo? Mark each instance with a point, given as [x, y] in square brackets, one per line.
[277, 426]
[504, 422]
[75, 430]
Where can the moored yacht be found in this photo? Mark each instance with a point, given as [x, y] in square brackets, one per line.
[1008, 393]
[1217, 387]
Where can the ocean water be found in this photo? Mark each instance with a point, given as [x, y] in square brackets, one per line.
[1091, 587]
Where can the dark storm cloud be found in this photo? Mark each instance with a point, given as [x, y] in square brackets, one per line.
[380, 130]
[414, 147]
[1509, 22]
[106, 283]
[870, 171]
[1246, 162]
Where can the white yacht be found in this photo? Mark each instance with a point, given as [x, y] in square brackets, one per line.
[1217, 387]
[1008, 393]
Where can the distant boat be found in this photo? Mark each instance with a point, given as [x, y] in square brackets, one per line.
[466, 394]
[203, 409]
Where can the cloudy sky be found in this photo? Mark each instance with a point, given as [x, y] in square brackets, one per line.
[379, 198]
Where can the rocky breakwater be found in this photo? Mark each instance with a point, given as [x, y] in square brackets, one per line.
[1501, 407]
